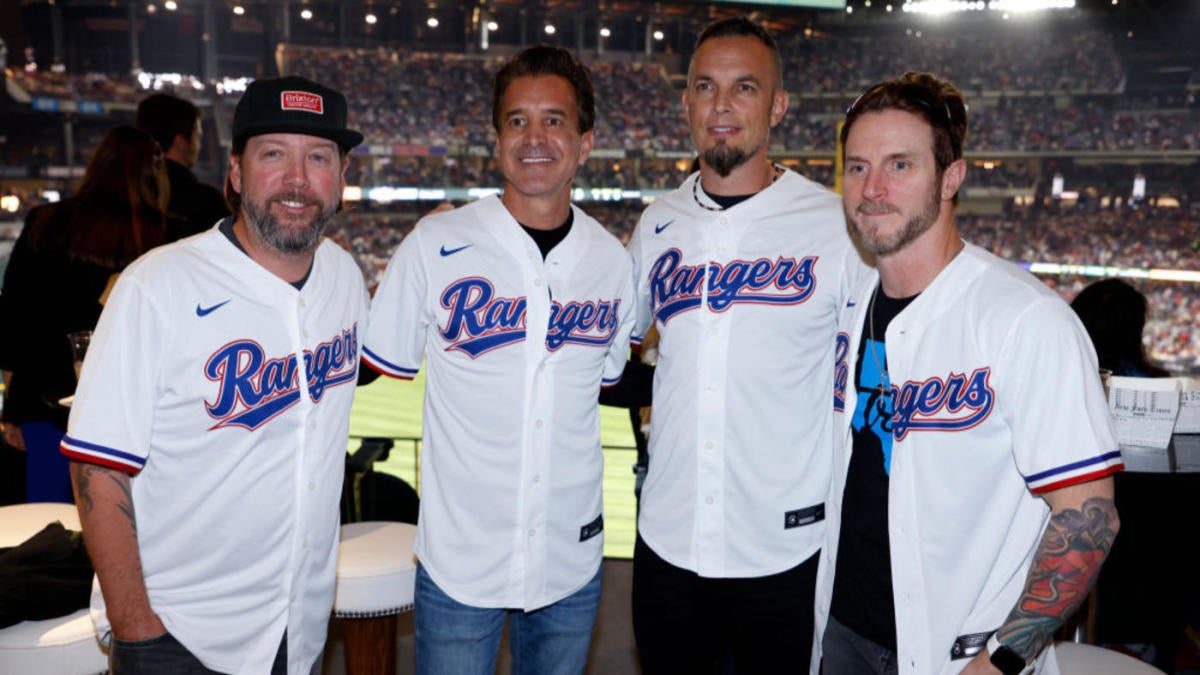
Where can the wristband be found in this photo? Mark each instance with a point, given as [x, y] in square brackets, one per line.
[1004, 658]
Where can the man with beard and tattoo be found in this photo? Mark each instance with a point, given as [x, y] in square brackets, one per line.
[209, 428]
[743, 270]
[972, 502]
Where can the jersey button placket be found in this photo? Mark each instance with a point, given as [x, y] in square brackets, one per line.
[711, 467]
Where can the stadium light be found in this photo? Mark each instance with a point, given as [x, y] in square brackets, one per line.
[493, 26]
[550, 29]
[151, 8]
[1023, 6]
[239, 10]
[371, 19]
[432, 22]
[170, 5]
[1007, 7]
[658, 35]
[604, 32]
[306, 14]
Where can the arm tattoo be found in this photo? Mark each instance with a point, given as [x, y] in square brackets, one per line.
[1066, 564]
[126, 504]
[83, 495]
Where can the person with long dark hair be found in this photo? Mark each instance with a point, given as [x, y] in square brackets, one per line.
[61, 265]
[1114, 314]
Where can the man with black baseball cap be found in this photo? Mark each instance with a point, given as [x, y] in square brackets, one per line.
[215, 404]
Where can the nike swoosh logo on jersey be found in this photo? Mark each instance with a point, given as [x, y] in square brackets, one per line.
[658, 229]
[205, 311]
[451, 251]
[850, 303]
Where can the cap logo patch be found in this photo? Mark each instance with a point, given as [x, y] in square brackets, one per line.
[303, 101]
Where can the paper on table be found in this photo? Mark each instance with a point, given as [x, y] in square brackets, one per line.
[1144, 409]
[1188, 421]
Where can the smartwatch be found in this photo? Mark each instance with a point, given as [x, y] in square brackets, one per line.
[1004, 658]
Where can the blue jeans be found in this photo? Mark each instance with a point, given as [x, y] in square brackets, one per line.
[457, 639]
[847, 653]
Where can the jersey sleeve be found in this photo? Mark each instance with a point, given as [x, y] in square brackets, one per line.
[1062, 431]
[113, 409]
[642, 314]
[398, 319]
[618, 349]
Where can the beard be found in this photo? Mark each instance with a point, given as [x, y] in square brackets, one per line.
[724, 158]
[883, 245]
[288, 239]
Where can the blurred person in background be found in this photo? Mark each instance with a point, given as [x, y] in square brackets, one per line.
[62, 264]
[175, 124]
[1114, 314]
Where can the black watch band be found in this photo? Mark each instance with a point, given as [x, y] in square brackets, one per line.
[1006, 660]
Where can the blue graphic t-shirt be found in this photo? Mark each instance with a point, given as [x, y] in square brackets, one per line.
[862, 590]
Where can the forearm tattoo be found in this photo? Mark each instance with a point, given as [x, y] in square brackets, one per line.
[83, 474]
[126, 503]
[1065, 567]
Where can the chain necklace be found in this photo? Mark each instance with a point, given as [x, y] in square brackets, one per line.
[883, 388]
[696, 188]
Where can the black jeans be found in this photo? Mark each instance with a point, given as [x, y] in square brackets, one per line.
[685, 623]
[848, 653]
[164, 655]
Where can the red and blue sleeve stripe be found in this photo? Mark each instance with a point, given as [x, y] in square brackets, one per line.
[1075, 473]
[386, 367]
[93, 453]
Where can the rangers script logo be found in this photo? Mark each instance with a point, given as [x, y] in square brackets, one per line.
[955, 403]
[841, 371]
[676, 288]
[479, 321]
[254, 389]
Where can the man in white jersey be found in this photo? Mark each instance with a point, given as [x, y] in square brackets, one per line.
[208, 435]
[972, 502]
[743, 270]
[520, 307]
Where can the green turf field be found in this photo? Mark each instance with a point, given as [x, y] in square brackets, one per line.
[392, 408]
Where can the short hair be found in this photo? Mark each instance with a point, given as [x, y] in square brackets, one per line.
[742, 26]
[940, 103]
[164, 117]
[548, 60]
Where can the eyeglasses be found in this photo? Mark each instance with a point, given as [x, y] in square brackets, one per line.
[921, 95]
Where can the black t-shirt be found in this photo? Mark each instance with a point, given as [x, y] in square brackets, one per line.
[226, 228]
[546, 240]
[862, 589]
[728, 201]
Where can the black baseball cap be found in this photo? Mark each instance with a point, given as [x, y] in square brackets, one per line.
[293, 105]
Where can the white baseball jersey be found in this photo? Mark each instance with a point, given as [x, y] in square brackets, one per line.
[746, 302]
[227, 392]
[996, 400]
[517, 349]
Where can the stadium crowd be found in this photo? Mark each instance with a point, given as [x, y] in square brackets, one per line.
[1016, 60]
[440, 100]
[1031, 91]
